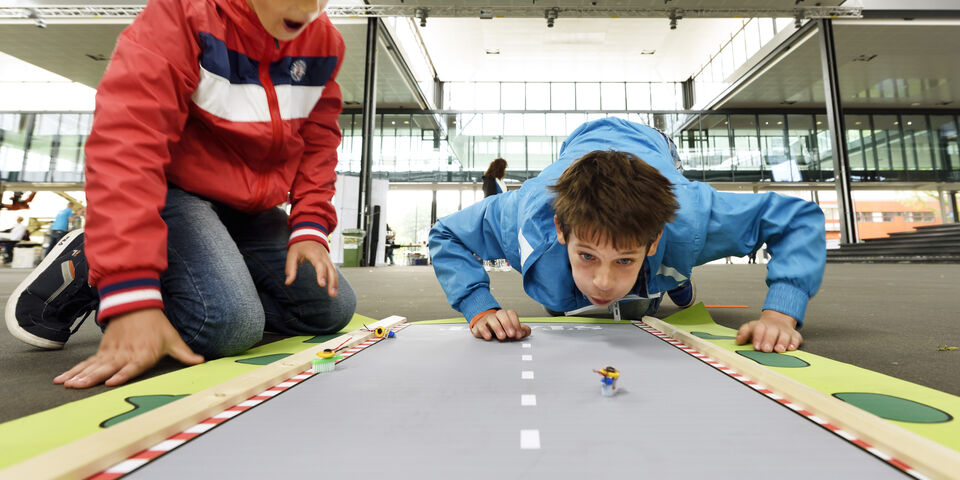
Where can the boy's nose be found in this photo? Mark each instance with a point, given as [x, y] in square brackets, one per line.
[603, 280]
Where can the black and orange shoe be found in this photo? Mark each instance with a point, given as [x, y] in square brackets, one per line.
[43, 308]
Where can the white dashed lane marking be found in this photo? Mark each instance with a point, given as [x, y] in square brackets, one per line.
[529, 439]
[526, 358]
[528, 400]
[526, 375]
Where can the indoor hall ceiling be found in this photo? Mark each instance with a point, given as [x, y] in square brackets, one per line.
[891, 64]
[630, 4]
[79, 52]
[575, 49]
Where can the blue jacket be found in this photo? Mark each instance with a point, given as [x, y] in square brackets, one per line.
[709, 225]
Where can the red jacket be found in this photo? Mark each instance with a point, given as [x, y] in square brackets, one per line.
[198, 94]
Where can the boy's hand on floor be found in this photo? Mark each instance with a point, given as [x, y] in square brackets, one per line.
[131, 344]
[773, 332]
[503, 324]
[316, 255]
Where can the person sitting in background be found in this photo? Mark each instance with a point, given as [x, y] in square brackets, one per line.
[10, 238]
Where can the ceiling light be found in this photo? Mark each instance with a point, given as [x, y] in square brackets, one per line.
[486, 14]
[493, 51]
[551, 14]
[909, 123]
[674, 16]
[647, 52]
[35, 15]
[421, 14]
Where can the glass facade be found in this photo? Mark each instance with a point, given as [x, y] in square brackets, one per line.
[446, 146]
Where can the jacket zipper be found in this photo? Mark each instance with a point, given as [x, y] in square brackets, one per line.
[276, 123]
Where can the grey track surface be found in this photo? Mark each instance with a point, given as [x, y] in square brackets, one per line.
[435, 403]
[885, 317]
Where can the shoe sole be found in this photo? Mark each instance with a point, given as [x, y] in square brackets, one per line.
[11, 310]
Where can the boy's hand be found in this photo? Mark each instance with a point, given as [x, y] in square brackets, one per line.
[132, 343]
[504, 324]
[773, 332]
[313, 252]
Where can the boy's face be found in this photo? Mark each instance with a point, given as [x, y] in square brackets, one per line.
[285, 19]
[602, 273]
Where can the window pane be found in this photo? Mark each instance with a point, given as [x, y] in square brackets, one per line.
[538, 96]
[588, 96]
[562, 96]
[613, 96]
[512, 95]
[638, 96]
[488, 96]
[460, 96]
[665, 96]
[534, 124]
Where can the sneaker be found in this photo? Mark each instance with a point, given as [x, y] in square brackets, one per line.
[685, 295]
[43, 308]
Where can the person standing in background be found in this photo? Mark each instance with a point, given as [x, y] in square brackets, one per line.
[60, 226]
[493, 178]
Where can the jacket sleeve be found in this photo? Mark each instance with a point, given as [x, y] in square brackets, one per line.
[794, 232]
[453, 242]
[312, 215]
[142, 104]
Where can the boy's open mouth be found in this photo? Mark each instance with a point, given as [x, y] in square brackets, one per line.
[291, 25]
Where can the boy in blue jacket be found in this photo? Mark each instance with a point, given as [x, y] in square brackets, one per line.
[612, 223]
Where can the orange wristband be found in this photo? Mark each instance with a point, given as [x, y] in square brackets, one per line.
[480, 315]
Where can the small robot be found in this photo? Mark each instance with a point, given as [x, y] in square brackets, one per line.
[380, 332]
[608, 384]
[326, 361]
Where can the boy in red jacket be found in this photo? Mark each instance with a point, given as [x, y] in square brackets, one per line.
[210, 114]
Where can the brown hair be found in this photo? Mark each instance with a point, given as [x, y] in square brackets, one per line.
[614, 196]
[497, 168]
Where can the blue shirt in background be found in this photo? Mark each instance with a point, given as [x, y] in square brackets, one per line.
[62, 221]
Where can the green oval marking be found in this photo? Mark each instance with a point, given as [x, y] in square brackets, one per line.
[773, 359]
[894, 408]
[141, 404]
[264, 360]
[320, 338]
[710, 336]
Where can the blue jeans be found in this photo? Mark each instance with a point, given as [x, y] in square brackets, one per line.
[224, 283]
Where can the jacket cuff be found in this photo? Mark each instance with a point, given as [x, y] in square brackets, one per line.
[788, 300]
[127, 292]
[308, 227]
[479, 301]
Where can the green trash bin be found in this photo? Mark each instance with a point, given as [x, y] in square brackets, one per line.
[352, 246]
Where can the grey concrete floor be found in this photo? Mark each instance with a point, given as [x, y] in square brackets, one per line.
[886, 318]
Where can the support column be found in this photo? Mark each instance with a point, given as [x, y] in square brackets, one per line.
[841, 161]
[364, 198]
[952, 198]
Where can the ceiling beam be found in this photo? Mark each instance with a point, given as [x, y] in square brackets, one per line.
[102, 12]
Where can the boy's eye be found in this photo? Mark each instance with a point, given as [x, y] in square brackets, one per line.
[625, 261]
[586, 256]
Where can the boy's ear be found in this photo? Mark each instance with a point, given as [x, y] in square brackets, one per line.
[556, 223]
[653, 246]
